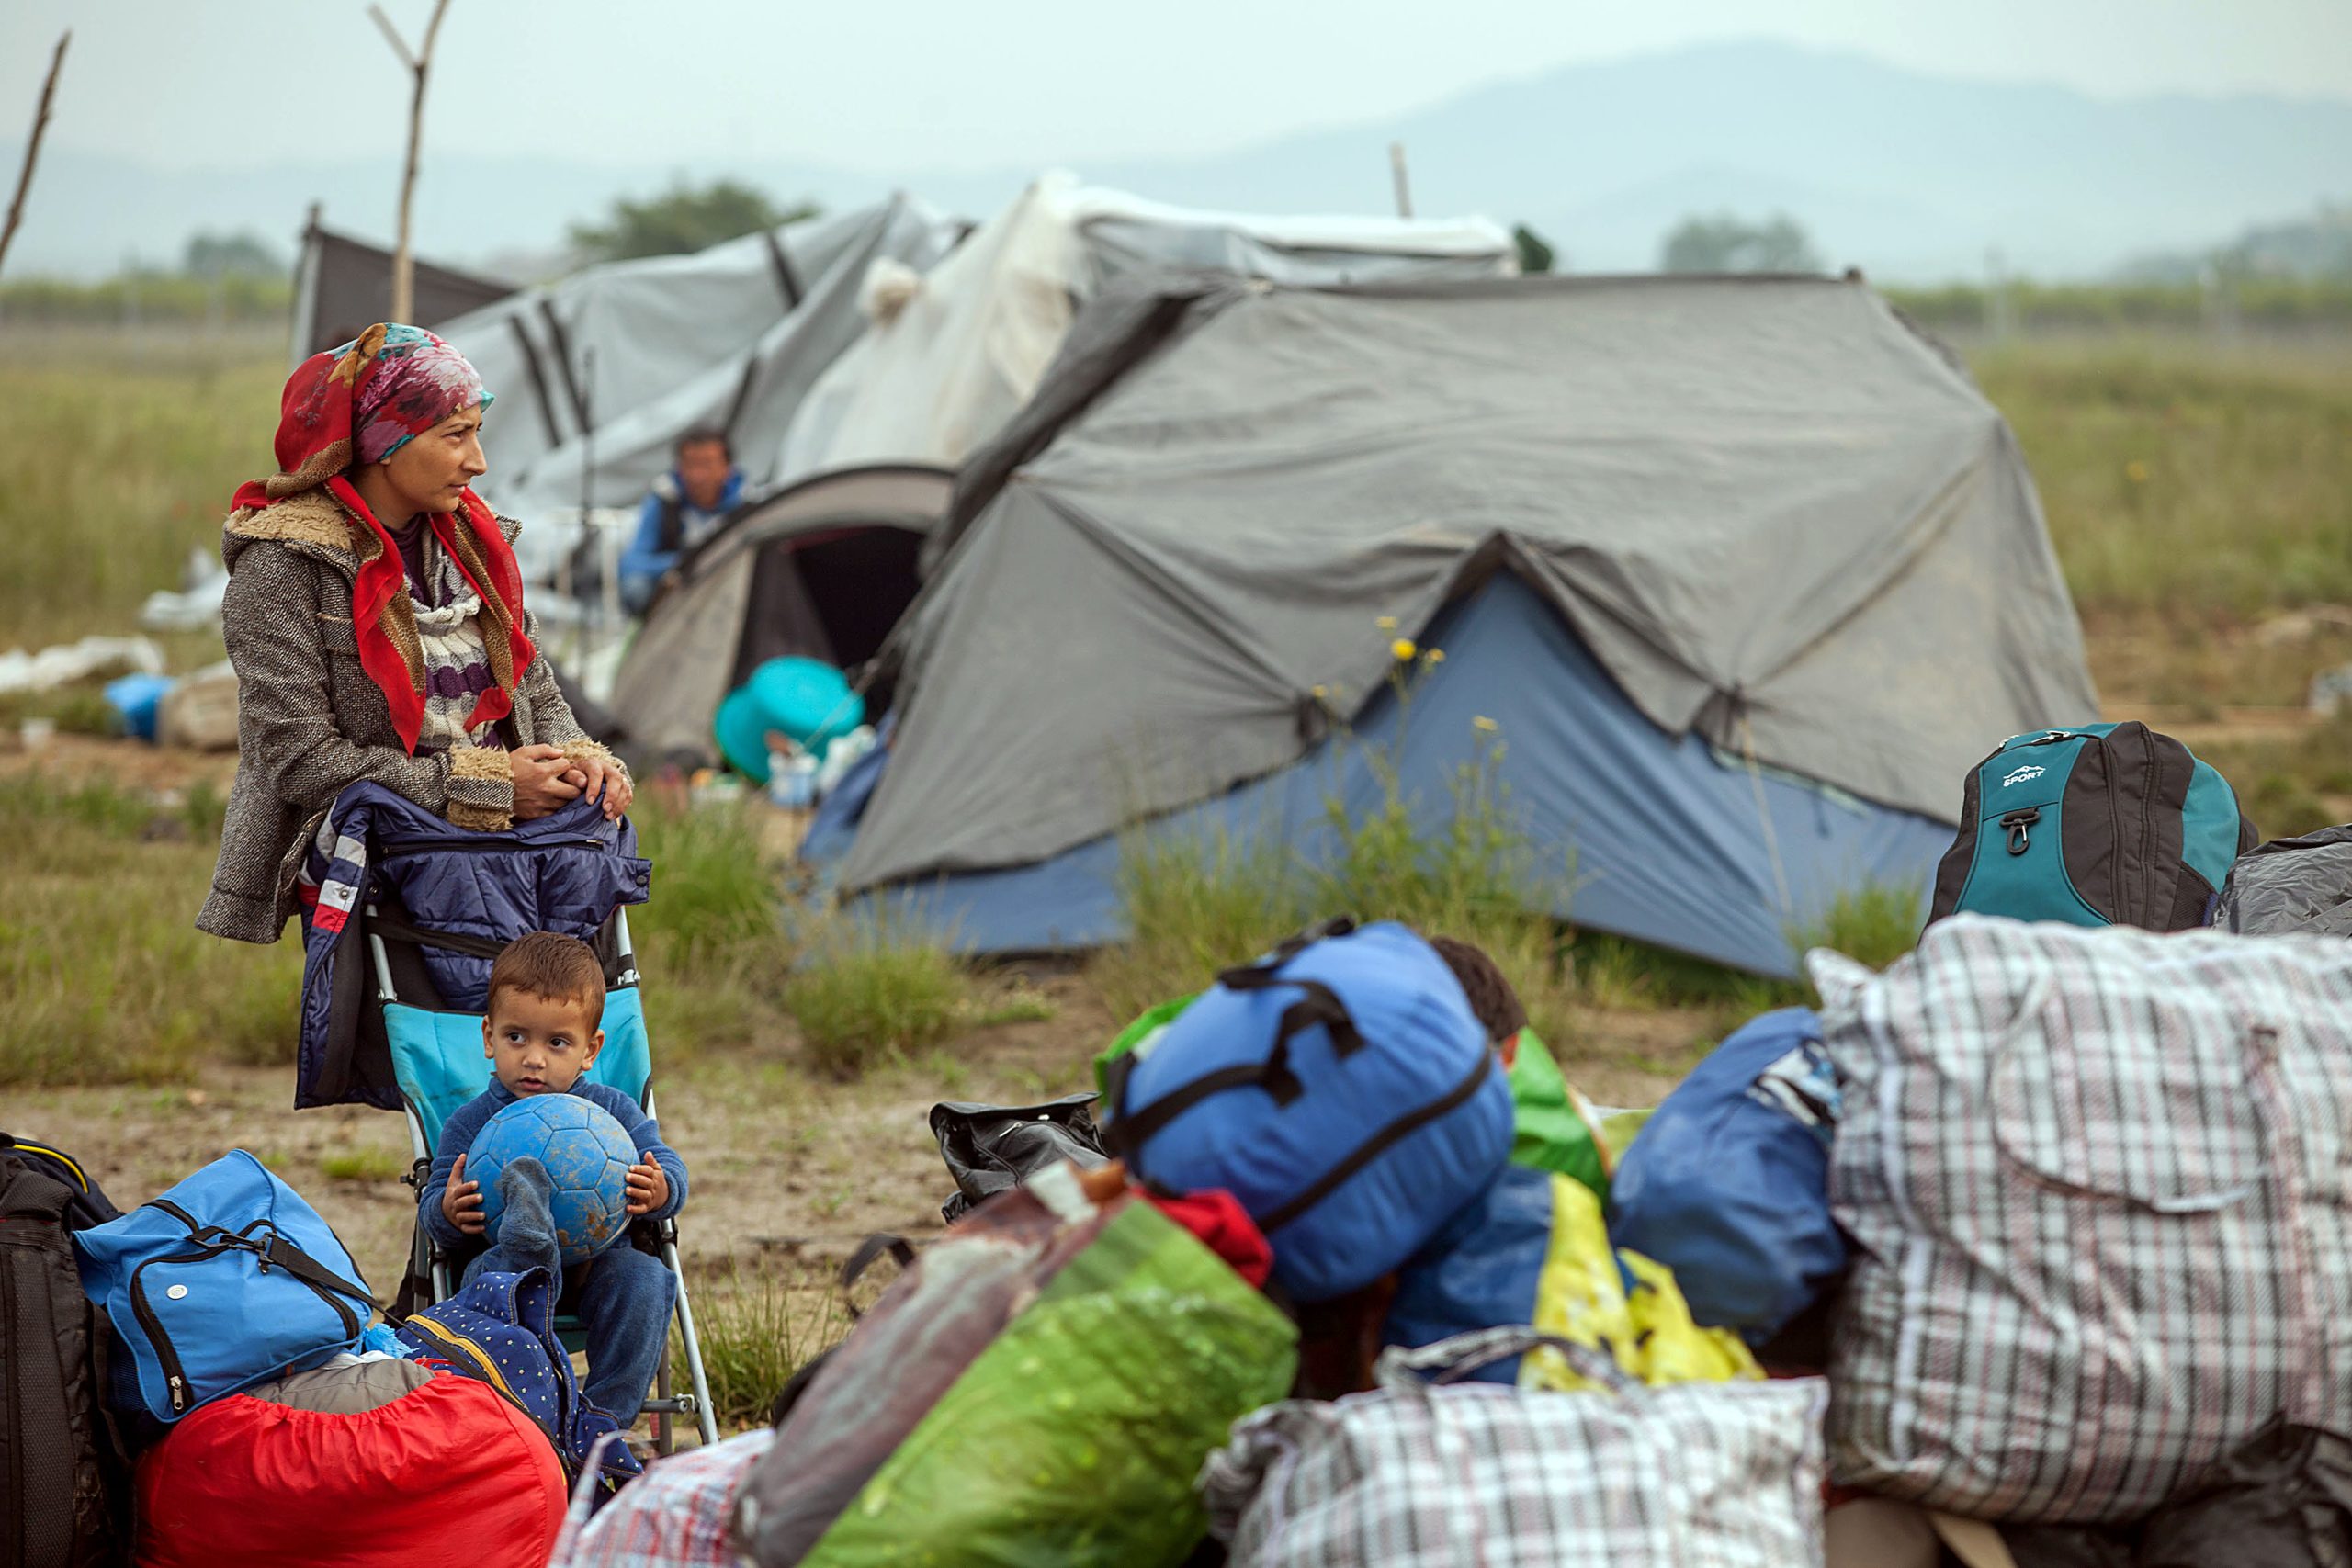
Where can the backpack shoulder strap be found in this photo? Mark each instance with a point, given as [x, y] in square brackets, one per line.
[1129, 1130]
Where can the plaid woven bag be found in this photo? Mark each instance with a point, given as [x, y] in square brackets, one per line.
[1435, 1474]
[2096, 1181]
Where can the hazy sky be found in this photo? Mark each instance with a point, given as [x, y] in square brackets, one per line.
[898, 83]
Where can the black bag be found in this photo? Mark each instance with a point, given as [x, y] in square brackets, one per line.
[89, 1206]
[2292, 884]
[64, 1488]
[992, 1148]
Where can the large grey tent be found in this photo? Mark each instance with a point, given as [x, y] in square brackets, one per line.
[606, 369]
[1747, 571]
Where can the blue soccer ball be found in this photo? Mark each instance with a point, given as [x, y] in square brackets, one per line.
[587, 1155]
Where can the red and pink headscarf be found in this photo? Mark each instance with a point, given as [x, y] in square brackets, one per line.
[360, 404]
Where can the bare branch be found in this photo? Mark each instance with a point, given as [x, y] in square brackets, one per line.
[392, 37]
[403, 258]
[32, 147]
[432, 31]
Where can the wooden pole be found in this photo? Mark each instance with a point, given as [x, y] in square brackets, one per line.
[1396, 171]
[32, 148]
[418, 63]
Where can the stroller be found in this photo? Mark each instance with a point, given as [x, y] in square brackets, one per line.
[402, 915]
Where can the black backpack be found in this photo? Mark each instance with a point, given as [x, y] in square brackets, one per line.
[65, 1484]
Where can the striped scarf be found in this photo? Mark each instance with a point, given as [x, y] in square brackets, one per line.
[456, 667]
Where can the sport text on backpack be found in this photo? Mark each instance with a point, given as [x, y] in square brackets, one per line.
[2101, 825]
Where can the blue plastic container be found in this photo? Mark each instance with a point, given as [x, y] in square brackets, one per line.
[136, 699]
[804, 699]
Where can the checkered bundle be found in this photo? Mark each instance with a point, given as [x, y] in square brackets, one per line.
[1701, 1475]
[2097, 1181]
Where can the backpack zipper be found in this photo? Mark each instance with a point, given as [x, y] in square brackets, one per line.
[478, 1355]
[472, 1352]
[474, 845]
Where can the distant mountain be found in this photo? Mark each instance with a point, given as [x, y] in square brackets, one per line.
[2319, 246]
[1912, 176]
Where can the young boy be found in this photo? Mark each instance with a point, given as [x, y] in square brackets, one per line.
[540, 1034]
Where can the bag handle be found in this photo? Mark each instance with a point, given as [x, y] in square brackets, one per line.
[1127, 1132]
[1400, 1368]
[276, 1253]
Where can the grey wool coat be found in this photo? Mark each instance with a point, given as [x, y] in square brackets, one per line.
[309, 721]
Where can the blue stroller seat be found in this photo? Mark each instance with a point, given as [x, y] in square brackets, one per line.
[431, 905]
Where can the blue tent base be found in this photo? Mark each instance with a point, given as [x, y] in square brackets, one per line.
[1633, 831]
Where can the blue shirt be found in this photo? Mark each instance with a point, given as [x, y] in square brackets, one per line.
[645, 562]
[465, 1125]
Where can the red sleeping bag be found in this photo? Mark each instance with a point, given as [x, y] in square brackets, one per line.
[447, 1473]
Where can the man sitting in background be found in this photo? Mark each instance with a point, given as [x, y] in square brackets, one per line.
[683, 508]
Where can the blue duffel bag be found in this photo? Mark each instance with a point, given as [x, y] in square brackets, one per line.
[1340, 1089]
[1728, 1182]
[224, 1281]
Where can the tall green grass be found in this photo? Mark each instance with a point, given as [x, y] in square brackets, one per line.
[755, 1332]
[109, 474]
[103, 977]
[2186, 481]
[711, 940]
[867, 989]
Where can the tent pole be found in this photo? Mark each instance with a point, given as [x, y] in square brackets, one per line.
[1397, 173]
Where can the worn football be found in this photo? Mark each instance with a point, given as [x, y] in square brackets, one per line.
[587, 1155]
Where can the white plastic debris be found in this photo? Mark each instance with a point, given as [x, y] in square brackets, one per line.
[68, 663]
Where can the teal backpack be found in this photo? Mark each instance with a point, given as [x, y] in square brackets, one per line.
[2101, 825]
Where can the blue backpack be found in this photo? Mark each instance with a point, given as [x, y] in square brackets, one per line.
[2101, 825]
[226, 1281]
[1728, 1184]
[500, 1330]
[1340, 1089]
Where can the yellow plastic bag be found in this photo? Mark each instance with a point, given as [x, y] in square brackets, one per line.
[1582, 1296]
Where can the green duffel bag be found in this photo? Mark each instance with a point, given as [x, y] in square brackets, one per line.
[1041, 1387]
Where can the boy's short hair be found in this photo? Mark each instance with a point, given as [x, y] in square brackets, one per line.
[1496, 1006]
[705, 435]
[551, 966]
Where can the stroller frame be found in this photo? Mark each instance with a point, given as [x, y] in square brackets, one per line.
[427, 1262]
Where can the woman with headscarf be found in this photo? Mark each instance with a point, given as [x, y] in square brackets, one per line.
[374, 617]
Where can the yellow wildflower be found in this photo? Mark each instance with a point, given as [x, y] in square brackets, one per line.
[1402, 649]
[1483, 725]
[1320, 693]
[1386, 623]
[1434, 656]
[2136, 471]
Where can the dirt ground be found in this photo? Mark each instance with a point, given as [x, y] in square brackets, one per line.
[788, 1173]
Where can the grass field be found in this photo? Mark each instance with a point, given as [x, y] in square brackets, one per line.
[2200, 504]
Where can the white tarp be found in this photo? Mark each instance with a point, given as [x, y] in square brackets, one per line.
[952, 354]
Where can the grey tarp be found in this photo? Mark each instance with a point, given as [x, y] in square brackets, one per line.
[1778, 516]
[344, 286]
[731, 336]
